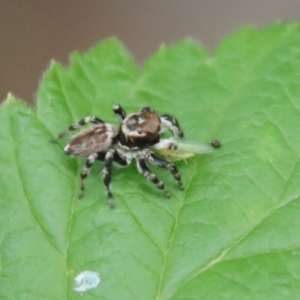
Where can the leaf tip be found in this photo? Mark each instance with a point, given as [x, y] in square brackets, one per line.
[10, 98]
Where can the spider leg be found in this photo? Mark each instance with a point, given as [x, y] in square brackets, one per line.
[107, 172]
[156, 161]
[144, 170]
[171, 123]
[117, 158]
[121, 161]
[85, 172]
[89, 119]
[119, 111]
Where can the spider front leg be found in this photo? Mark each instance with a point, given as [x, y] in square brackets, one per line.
[144, 170]
[156, 161]
[119, 111]
[89, 119]
[171, 123]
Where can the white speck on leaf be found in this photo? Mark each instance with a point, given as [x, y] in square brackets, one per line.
[86, 280]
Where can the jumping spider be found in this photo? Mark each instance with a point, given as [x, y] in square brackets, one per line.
[132, 140]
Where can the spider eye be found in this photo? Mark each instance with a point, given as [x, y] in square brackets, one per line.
[140, 131]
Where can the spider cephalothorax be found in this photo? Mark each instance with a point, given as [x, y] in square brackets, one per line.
[133, 139]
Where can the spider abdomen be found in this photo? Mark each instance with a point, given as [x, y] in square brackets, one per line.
[92, 140]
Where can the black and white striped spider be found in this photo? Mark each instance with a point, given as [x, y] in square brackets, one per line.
[133, 139]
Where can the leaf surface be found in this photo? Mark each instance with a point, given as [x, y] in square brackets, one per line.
[233, 233]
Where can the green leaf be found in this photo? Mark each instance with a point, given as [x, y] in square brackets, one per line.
[232, 234]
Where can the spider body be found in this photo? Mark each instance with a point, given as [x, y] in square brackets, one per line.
[139, 130]
[132, 140]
